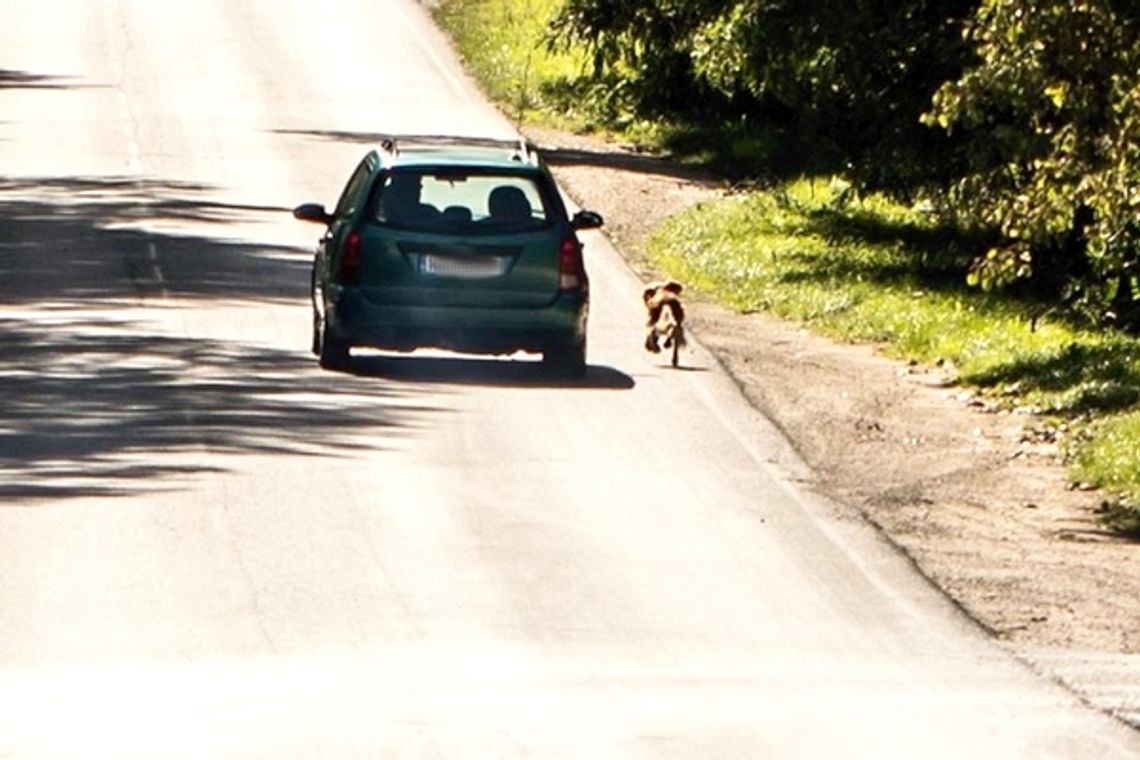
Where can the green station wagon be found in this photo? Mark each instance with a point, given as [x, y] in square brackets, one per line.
[455, 243]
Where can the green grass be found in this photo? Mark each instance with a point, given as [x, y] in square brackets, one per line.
[865, 271]
[857, 270]
[1110, 458]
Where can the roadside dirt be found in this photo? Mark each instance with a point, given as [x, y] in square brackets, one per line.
[983, 507]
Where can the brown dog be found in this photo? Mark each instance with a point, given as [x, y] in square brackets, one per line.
[666, 325]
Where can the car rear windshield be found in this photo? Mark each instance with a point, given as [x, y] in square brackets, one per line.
[459, 201]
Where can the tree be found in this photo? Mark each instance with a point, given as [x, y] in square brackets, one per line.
[645, 43]
[857, 73]
[1050, 117]
[848, 78]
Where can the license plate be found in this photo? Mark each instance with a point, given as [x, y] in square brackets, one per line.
[471, 267]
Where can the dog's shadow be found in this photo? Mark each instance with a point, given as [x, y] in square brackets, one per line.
[682, 368]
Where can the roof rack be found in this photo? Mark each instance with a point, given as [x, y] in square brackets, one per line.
[388, 150]
[525, 152]
[521, 149]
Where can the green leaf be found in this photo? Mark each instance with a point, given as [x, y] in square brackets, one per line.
[1058, 93]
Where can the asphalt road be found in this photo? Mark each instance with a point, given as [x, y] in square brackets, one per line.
[211, 549]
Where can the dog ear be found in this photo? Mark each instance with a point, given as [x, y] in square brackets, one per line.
[673, 287]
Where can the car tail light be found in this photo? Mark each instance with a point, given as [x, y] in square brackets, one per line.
[571, 272]
[350, 254]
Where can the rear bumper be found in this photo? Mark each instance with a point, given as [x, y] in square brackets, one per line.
[359, 322]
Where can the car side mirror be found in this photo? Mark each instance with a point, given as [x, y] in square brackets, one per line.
[587, 220]
[312, 212]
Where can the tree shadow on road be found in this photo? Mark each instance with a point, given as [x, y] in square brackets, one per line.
[102, 407]
[11, 79]
[91, 238]
[94, 402]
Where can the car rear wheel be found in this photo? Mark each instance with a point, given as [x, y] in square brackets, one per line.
[316, 342]
[568, 360]
[316, 345]
[333, 353]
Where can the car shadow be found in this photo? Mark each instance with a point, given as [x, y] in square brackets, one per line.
[503, 373]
